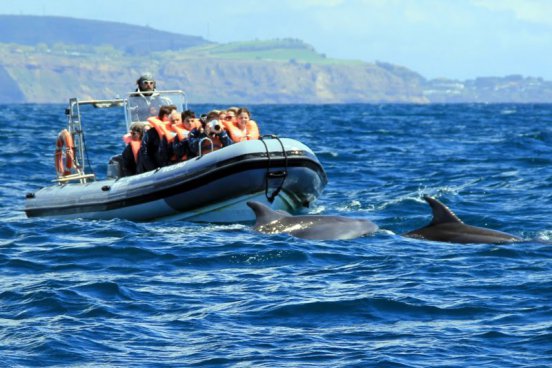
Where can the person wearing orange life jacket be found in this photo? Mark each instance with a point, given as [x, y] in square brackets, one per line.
[243, 129]
[229, 117]
[211, 128]
[152, 154]
[130, 153]
[180, 144]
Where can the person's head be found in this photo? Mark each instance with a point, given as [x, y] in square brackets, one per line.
[175, 117]
[212, 115]
[231, 115]
[137, 130]
[146, 82]
[222, 115]
[165, 112]
[243, 116]
[187, 117]
[233, 108]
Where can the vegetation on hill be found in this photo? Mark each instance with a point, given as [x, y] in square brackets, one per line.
[132, 40]
[59, 58]
[240, 73]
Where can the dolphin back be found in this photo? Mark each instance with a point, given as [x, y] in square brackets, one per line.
[447, 227]
[329, 227]
[264, 214]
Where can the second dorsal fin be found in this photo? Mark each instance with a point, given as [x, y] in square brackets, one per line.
[441, 213]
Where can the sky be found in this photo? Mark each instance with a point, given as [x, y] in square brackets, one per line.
[457, 39]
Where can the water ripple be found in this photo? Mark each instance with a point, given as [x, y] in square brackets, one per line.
[163, 294]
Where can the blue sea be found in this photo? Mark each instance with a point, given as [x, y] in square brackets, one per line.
[81, 293]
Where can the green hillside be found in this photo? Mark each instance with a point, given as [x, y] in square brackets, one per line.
[277, 71]
[59, 58]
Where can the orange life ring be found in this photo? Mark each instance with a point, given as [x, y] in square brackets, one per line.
[64, 139]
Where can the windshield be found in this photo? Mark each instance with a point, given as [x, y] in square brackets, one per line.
[141, 105]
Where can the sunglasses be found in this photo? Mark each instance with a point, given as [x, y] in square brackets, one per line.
[148, 82]
[229, 118]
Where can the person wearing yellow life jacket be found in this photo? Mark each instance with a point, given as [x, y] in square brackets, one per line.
[242, 128]
[152, 153]
[211, 128]
[130, 153]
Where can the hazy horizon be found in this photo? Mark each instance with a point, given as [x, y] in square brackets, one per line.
[463, 39]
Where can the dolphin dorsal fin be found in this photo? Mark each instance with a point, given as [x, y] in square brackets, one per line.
[441, 213]
[265, 214]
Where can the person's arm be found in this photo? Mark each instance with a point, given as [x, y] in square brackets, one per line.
[194, 138]
[147, 150]
[129, 165]
[180, 147]
[225, 139]
[252, 130]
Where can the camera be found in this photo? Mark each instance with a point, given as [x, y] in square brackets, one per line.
[203, 118]
[215, 126]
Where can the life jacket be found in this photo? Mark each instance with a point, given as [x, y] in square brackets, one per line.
[127, 138]
[250, 132]
[135, 145]
[163, 128]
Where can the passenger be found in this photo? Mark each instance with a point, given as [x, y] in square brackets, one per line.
[233, 108]
[182, 125]
[244, 129]
[130, 153]
[211, 128]
[146, 103]
[152, 154]
[222, 116]
[229, 118]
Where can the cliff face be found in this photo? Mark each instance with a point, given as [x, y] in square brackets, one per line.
[54, 77]
[59, 58]
[287, 82]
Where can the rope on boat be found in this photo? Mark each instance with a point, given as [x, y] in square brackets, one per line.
[274, 174]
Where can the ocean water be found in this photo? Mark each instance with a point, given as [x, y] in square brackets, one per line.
[171, 294]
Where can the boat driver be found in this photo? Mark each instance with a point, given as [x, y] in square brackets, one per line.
[145, 102]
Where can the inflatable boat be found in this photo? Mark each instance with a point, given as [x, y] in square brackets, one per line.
[213, 187]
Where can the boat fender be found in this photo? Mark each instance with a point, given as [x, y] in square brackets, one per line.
[64, 139]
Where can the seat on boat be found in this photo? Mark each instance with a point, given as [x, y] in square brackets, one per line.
[115, 167]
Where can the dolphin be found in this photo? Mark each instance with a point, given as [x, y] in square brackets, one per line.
[309, 226]
[447, 227]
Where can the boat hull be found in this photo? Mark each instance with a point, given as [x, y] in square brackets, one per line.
[211, 188]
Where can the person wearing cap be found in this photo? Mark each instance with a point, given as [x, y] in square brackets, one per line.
[145, 102]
